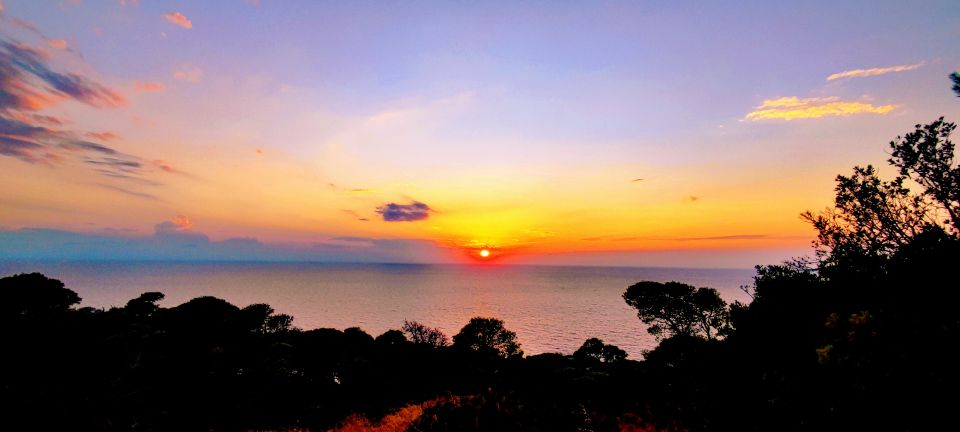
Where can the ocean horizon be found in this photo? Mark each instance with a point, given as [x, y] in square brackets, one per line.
[551, 308]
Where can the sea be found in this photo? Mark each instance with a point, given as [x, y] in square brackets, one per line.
[551, 308]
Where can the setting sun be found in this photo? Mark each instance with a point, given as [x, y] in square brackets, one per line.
[484, 253]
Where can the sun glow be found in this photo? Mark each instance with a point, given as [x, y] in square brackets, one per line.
[484, 253]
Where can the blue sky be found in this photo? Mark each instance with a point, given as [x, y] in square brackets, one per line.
[520, 125]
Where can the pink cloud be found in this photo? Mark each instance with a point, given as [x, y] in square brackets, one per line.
[103, 136]
[60, 44]
[177, 18]
[152, 87]
[182, 222]
[192, 74]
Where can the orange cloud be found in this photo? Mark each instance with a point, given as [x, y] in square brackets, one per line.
[102, 136]
[792, 107]
[179, 19]
[182, 222]
[151, 87]
[192, 74]
[860, 73]
[60, 44]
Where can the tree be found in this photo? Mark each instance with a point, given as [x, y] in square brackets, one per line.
[144, 305]
[488, 335]
[675, 308]
[873, 218]
[34, 295]
[955, 77]
[594, 349]
[926, 157]
[423, 335]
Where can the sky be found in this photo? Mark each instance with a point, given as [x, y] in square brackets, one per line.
[640, 133]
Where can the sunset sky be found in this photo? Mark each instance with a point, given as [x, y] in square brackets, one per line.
[649, 133]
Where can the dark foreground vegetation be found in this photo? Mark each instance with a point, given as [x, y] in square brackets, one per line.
[862, 338]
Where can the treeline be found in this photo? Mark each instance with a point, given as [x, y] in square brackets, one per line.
[209, 365]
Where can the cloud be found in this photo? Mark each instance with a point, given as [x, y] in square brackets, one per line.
[179, 19]
[693, 239]
[20, 64]
[151, 87]
[102, 136]
[169, 243]
[178, 223]
[60, 44]
[393, 212]
[133, 193]
[860, 73]
[125, 3]
[792, 108]
[28, 84]
[355, 215]
[191, 74]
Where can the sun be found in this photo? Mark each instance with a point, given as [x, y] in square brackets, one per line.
[484, 253]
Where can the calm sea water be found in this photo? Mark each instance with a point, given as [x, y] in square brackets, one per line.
[552, 309]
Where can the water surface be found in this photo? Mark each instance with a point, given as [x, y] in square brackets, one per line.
[552, 309]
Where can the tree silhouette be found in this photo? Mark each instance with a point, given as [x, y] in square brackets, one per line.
[873, 218]
[955, 77]
[594, 349]
[488, 335]
[675, 308]
[423, 335]
[34, 295]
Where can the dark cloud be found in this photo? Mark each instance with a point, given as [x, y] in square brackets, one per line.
[354, 239]
[725, 237]
[20, 149]
[393, 212]
[29, 84]
[355, 215]
[126, 191]
[171, 241]
[19, 63]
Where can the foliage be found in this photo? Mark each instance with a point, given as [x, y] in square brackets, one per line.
[488, 335]
[675, 308]
[423, 335]
[594, 349]
[47, 296]
[872, 218]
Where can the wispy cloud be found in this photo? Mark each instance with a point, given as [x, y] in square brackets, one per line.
[356, 215]
[695, 239]
[19, 63]
[191, 74]
[60, 44]
[792, 108]
[179, 19]
[129, 192]
[102, 136]
[148, 87]
[28, 84]
[393, 212]
[860, 73]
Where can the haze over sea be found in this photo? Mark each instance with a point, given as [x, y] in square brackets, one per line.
[551, 308]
